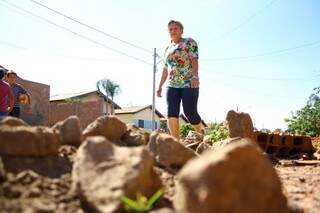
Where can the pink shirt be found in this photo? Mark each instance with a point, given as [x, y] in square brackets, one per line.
[4, 94]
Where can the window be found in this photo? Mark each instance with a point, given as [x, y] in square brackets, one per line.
[146, 124]
[141, 123]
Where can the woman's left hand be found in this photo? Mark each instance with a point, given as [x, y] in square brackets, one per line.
[195, 82]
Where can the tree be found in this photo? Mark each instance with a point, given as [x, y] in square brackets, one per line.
[277, 131]
[306, 121]
[108, 88]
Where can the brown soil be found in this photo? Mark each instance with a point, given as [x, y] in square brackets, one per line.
[39, 184]
[300, 185]
[44, 185]
[301, 182]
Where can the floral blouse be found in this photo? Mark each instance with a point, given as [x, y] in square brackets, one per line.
[178, 62]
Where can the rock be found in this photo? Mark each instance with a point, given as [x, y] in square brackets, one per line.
[220, 144]
[168, 152]
[28, 141]
[52, 166]
[192, 140]
[206, 139]
[43, 206]
[70, 131]
[236, 178]
[12, 121]
[26, 177]
[103, 173]
[206, 144]
[317, 154]
[108, 126]
[307, 146]
[203, 147]
[193, 137]
[168, 180]
[135, 136]
[162, 210]
[2, 171]
[239, 125]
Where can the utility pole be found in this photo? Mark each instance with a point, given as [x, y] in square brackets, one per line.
[154, 88]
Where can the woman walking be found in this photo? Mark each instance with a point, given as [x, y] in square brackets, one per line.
[181, 63]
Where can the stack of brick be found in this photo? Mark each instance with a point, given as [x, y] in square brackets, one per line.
[283, 144]
[240, 125]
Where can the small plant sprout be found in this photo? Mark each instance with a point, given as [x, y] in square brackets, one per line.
[141, 204]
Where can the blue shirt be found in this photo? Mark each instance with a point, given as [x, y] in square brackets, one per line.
[17, 90]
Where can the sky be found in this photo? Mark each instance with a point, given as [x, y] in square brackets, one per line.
[255, 56]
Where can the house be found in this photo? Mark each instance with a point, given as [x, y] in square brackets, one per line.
[87, 105]
[140, 116]
[39, 97]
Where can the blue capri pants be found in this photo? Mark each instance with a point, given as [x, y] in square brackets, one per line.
[189, 98]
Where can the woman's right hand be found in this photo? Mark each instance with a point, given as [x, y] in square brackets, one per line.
[159, 91]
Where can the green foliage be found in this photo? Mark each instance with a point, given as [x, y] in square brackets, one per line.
[141, 204]
[184, 130]
[163, 125]
[278, 130]
[306, 121]
[217, 132]
[72, 100]
[265, 130]
[108, 88]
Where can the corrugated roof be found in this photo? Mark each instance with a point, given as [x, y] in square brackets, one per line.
[135, 109]
[64, 96]
[61, 97]
[131, 109]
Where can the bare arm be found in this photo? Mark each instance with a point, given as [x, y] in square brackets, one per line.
[162, 81]
[194, 63]
[195, 74]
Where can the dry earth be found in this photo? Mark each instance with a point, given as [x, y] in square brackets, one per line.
[45, 191]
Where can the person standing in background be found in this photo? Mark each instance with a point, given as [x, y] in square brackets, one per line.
[6, 96]
[21, 96]
[181, 65]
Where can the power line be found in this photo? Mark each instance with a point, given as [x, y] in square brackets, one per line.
[91, 27]
[264, 79]
[225, 35]
[77, 34]
[205, 68]
[13, 45]
[53, 54]
[314, 43]
[249, 91]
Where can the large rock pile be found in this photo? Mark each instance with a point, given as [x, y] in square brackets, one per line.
[110, 159]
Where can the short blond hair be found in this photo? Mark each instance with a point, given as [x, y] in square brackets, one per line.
[176, 22]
